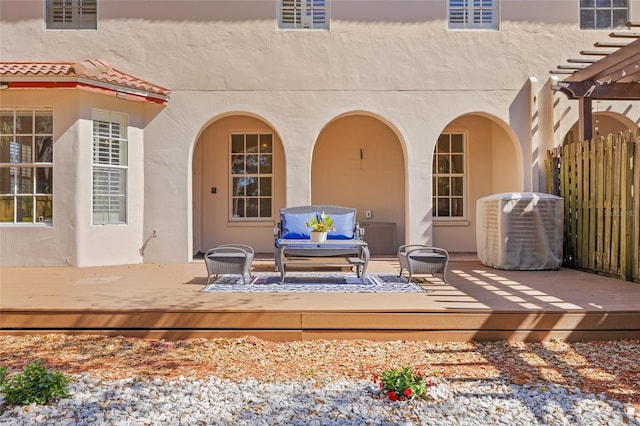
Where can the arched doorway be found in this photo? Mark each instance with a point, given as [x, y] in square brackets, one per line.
[476, 155]
[358, 162]
[237, 183]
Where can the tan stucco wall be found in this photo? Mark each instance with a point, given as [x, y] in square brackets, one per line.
[395, 60]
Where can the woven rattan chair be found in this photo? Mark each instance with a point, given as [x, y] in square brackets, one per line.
[423, 259]
[229, 259]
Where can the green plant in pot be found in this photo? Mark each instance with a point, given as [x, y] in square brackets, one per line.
[320, 225]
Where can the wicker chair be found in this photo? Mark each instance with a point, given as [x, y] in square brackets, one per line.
[423, 259]
[229, 259]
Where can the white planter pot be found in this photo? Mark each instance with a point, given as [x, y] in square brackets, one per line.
[318, 237]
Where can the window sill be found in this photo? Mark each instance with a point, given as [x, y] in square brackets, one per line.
[251, 223]
[443, 223]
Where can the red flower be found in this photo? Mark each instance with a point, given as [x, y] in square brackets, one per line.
[430, 383]
[392, 396]
[408, 392]
[375, 378]
[381, 385]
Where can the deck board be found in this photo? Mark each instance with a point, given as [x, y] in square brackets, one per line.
[164, 301]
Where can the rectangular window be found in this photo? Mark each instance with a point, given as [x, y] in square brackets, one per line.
[72, 14]
[473, 14]
[603, 14]
[251, 180]
[303, 14]
[26, 165]
[110, 164]
[449, 176]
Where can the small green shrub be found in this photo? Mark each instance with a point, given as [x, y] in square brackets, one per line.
[35, 384]
[402, 383]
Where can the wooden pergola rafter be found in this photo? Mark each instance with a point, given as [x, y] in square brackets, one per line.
[615, 76]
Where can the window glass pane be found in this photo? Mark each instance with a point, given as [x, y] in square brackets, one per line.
[619, 18]
[457, 143]
[44, 209]
[25, 209]
[24, 153]
[457, 186]
[265, 164]
[442, 207]
[43, 122]
[44, 150]
[251, 207]
[457, 207]
[238, 207]
[6, 208]
[237, 164]
[443, 186]
[587, 19]
[237, 143]
[457, 163]
[44, 180]
[24, 122]
[251, 187]
[266, 143]
[603, 3]
[252, 164]
[6, 180]
[586, 3]
[603, 19]
[24, 179]
[265, 207]
[238, 186]
[7, 149]
[265, 186]
[620, 3]
[6, 122]
[443, 144]
[443, 163]
[252, 143]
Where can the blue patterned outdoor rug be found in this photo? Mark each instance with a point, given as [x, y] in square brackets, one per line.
[313, 282]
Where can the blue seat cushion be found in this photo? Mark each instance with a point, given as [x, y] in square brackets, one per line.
[344, 226]
[293, 225]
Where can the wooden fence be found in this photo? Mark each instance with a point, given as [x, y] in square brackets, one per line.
[599, 181]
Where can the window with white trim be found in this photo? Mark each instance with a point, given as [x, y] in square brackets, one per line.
[603, 14]
[303, 14]
[251, 180]
[473, 14]
[109, 168]
[449, 176]
[72, 14]
[26, 165]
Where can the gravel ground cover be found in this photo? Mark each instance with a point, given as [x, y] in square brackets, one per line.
[118, 380]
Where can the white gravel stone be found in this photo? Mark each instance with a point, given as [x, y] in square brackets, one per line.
[214, 401]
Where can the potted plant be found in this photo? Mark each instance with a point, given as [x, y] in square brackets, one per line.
[320, 225]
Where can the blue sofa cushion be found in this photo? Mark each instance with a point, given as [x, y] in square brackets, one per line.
[344, 226]
[293, 225]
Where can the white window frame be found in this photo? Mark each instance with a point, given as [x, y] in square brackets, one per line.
[234, 196]
[71, 14]
[591, 7]
[303, 14]
[109, 167]
[471, 14]
[29, 171]
[435, 196]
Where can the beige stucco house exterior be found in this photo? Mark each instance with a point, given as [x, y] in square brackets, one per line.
[222, 112]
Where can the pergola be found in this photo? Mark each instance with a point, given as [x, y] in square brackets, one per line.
[603, 74]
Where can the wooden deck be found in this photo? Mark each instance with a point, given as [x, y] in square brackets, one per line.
[164, 301]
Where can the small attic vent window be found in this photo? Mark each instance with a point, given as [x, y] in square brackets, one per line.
[72, 14]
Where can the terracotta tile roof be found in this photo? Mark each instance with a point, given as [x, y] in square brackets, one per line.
[91, 72]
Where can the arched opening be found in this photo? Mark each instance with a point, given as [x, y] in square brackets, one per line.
[237, 182]
[476, 155]
[358, 162]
